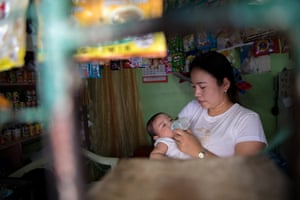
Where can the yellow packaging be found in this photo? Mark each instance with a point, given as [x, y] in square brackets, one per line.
[5, 104]
[12, 33]
[40, 47]
[91, 12]
[151, 45]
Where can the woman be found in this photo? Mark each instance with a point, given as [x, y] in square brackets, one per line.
[220, 126]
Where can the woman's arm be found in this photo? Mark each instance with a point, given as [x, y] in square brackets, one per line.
[189, 144]
[159, 151]
[249, 148]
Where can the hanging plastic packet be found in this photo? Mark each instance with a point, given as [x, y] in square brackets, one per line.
[39, 27]
[93, 12]
[90, 70]
[12, 33]
[152, 45]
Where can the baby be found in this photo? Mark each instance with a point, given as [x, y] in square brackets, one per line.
[159, 128]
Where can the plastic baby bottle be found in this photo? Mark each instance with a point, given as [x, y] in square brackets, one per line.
[181, 123]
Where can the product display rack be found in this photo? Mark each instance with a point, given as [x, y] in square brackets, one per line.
[19, 141]
[19, 87]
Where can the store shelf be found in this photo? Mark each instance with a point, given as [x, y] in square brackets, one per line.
[17, 84]
[20, 141]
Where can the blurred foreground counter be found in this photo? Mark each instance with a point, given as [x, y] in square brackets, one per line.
[235, 178]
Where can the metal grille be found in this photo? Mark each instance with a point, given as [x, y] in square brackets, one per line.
[57, 85]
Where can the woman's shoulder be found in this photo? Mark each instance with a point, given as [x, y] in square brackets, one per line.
[243, 111]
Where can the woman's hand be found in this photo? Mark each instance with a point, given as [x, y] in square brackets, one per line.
[187, 142]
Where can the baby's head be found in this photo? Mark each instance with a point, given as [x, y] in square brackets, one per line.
[159, 125]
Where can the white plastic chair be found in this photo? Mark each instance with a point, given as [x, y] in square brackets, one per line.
[110, 161]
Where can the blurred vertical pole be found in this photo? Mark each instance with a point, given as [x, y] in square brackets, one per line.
[294, 150]
[57, 98]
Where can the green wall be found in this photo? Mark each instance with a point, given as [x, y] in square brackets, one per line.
[261, 96]
[170, 97]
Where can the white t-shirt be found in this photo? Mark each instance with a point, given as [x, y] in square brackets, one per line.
[219, 134]
[173, 151]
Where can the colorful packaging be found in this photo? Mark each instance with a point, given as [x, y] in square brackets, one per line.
[150, 45]
[91, 12]
[39, 42]
[5, 103]
[89, 70]
[189, 43]
[83, 69]
[205, 41]
[12, 33]
[266, 46]
[126, 64]
[175, 44]
[95, 70]
[177, 62]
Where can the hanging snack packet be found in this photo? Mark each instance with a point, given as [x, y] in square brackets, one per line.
[89, 70]
[12, 33]
[177, 62]
[83, 69]
[39, 42]
[150, 45]
[175, 44]
[95, 70]
[91, 12]
[205, 41]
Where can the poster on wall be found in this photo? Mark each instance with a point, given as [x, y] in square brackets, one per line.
[251, 64]
[155, 72]
[155, 79]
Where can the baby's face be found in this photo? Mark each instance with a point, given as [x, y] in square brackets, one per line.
[162, 125]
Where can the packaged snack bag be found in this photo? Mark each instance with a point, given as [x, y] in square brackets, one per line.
[205, 41]
[175, 44]
[89, 70]
[150, 45]
[189, 43]
[91, 12]
[12, 33]
[177, 62]
[83, 69]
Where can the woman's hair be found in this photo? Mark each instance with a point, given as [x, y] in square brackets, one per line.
[150, 128]
[219, 67]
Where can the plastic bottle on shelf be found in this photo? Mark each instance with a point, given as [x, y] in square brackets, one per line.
[38, 128]
[16, 133]
[7, 135]
[25, 130]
